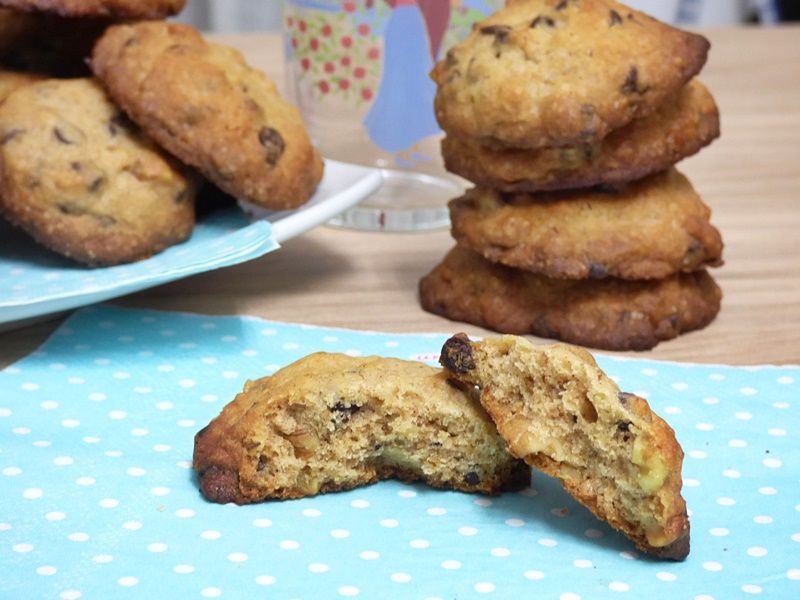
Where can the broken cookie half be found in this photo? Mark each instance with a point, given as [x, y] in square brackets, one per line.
[557, 410]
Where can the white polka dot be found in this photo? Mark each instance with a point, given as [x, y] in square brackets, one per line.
[569, 596]
[186, 423]
[5, 412]
[389, 523]
[777, 432]
[731, 474]
[318, 568]
[748, 391]
[291, 544]
[767, 491]
[164, 405]
[582, 563]
[70, 595]
[548, 542]
[211, 534]
[211, 592]
[793, 574]
[49, 405]
[703, 597]
[436, 511]
[230, 374]
[55, 516]
[311, 512]
[482, 502]
[451, 565]
[142, 390]
[762, 519]
[209, 360]
[369, 555]
[113, 453]
[712, 566]
[261, 523]
[665, 576]
[42, 444]
[672, 410]
[649, 372]
[165, 368]
[46, 570]
[5, 526]
[533, 575]
[184, 464]
[32, 493]
[704, 427]
[743, 416]
[756, 551]
[691, 482]
[749, 588]
[467, 531]
[70, 423]
[725, 501]
[719, 531]
[30, 387]
[157, 547]
[680, 386]
[76, 380]
[781, 405]
[500, 552]
[352, 352]
[78, 536]
[237, 557]
[618, 586]
[187, 383]
[419, 544]
[12, 471]
[785, 380]
[139, 432]
[22, 548]
[772, 463]
[697, 454]
[628, 555]
[184, 513]
[97, 396]
[737, 444]
[359, 504]
[340, 533]
[108, 503]
[515, 522]
[162, 448]
[593, 533]
[85, 480]
[117, 415]
[183, 569]
[132, 525]
[136, 472]
[407, 494]
[400, 577]
[484, 587]
[348, 590]
[796, 537]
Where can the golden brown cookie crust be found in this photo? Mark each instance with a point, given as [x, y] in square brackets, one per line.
[552, 73]
[204, 104]
[677, 129]
[612, 314]
[562, 414]
[127, 9]
[648, 229]
[83, 181]
[331, 422]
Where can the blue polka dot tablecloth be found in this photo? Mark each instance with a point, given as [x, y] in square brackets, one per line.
[98, 498]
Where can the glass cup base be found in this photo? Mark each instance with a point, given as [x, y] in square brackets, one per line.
[405, 201]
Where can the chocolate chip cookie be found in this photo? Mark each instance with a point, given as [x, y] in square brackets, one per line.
[552, 73]
[78, 176]
[331, 422]
[122, 9]
[613, 314]
[563, 415]
[647, 229]
[678, 128]
[204, 104]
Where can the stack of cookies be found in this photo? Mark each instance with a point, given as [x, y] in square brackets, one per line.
[569, 115]
[104, 167]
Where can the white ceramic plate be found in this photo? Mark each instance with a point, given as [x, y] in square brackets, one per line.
[36, 282]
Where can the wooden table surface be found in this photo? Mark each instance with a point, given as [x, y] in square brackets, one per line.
[750, 177]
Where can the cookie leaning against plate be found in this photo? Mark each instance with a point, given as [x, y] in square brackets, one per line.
[331, 422]
[613, 314]
[647, 229]
[558, 411]
[678, 128]
[123, 9]
[545, 73]
[204, 104]
[79, 177]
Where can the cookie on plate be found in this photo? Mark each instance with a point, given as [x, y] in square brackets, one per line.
[562, 414]
[331, 422]
[551, 73]
[204, 104]
[120, 9]
[613, 314]
[647, 229]
[677, 129]
[79, 177]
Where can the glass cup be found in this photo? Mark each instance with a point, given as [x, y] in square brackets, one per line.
[359, 72]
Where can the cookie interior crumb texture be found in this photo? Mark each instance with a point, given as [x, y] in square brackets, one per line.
[560, 413]
[332, 422]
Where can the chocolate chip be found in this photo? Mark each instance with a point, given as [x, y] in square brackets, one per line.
[500, 32]
[70, 208]
[131, 41]
[96, 184]
[543, 20]
[105, 220]
[273, 143]
[62, 137]
[181, 196]
[262, 463]
[456, 354]
[75, 166]
[632, 84]
[624, 398]
[10, 135]
[623, 426]
[597, 270]
[345, 409]
[614, 18]
[562, 5]
[472, 478]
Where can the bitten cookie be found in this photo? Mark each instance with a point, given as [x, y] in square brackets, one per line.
[331, 422]
[677, 129]
[559, 412]
[648, 229]
[611, 313]
[561, 72]
[83, 181]
[123, 9]
[204, 104]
